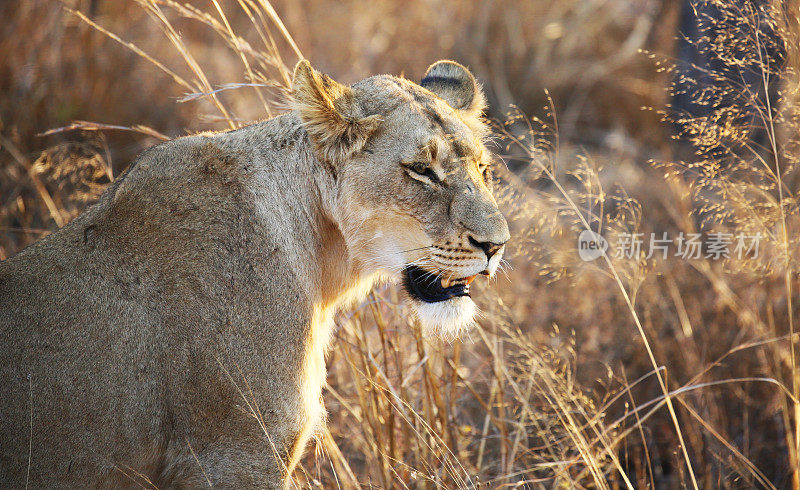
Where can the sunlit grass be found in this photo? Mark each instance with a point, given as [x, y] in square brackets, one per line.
[623, 372]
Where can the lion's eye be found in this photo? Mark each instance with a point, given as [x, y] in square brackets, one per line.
[422, 169]
[486, 172]
[419, 167]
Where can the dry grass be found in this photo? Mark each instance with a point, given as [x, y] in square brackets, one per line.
[622, 372]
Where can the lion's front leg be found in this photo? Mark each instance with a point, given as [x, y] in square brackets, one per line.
[226, 463]
[227, 443]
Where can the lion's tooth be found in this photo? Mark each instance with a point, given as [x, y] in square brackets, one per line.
[445, 282]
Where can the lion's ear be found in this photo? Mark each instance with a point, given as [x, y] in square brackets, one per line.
[331, 114]
[455, 84]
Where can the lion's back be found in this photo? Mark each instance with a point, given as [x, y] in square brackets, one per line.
[112, 328]
[81, 323]
[62, 362]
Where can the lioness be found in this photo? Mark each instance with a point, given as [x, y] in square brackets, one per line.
[176, 330]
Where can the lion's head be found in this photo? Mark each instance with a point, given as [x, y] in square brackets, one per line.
[413, 181]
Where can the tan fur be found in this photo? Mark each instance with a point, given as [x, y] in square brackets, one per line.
[176, 330]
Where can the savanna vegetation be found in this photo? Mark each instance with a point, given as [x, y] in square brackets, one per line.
[633, 370]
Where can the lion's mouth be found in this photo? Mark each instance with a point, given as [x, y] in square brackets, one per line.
[430, 288]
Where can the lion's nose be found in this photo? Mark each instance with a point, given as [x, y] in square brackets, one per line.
[489, 248]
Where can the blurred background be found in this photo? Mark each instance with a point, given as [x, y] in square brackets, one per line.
[624, 116]
[58, 69]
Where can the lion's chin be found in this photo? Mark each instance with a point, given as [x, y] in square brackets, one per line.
[447, 319]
